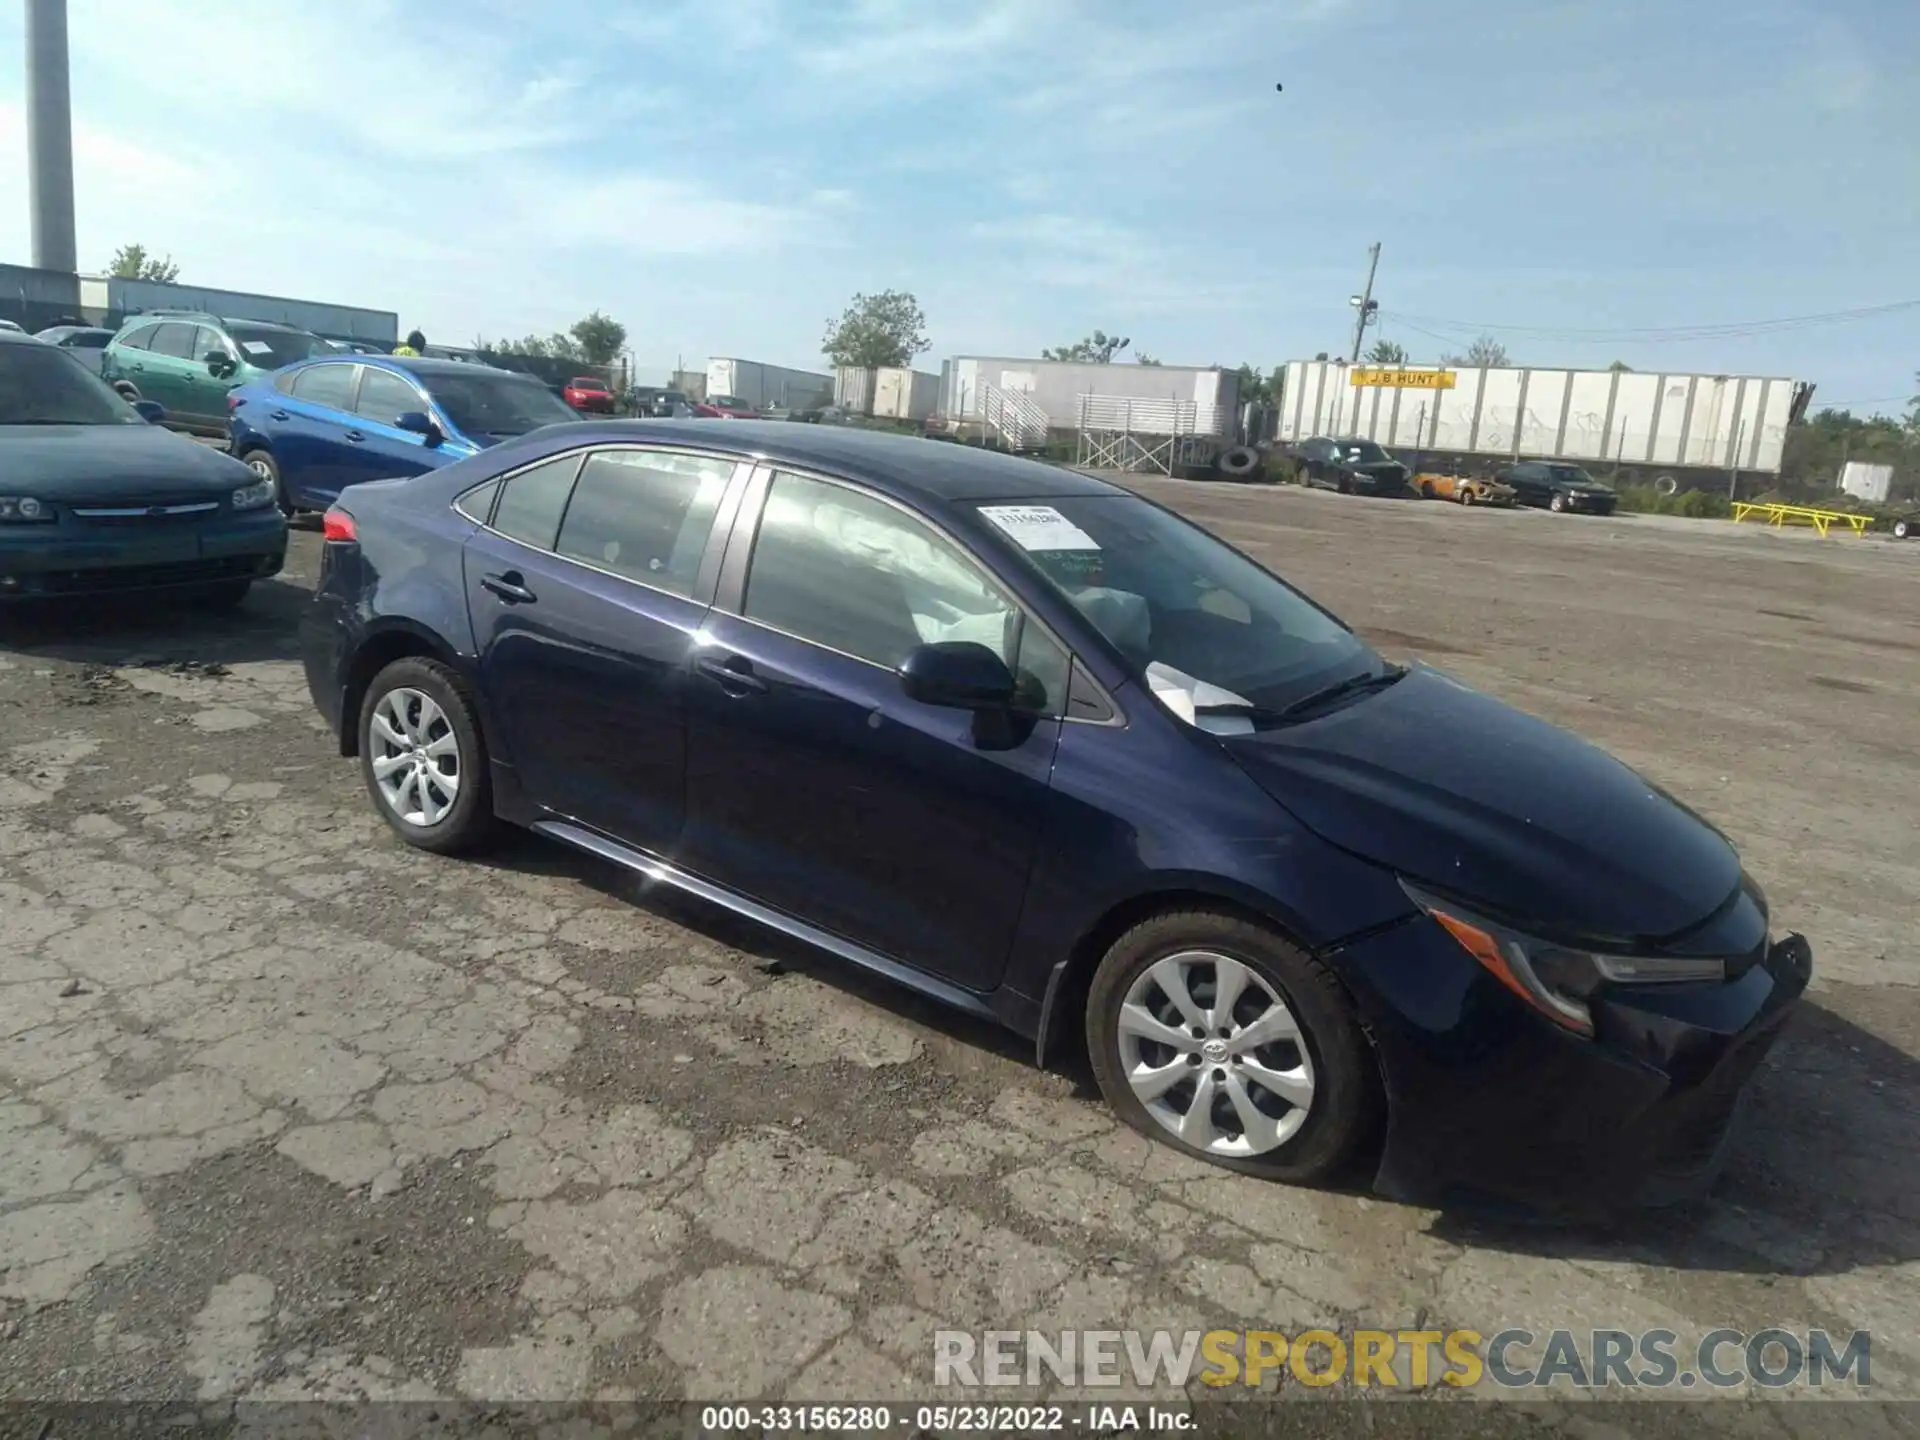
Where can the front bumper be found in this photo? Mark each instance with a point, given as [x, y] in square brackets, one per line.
[1592, 504]
[57, 562]
[1491, 1103]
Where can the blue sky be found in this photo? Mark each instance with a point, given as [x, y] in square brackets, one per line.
[722, 176]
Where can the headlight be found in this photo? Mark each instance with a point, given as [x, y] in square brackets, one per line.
[24, 510]
[252, 497]
[1555, 979]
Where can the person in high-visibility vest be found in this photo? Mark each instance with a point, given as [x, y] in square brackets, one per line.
[416, 344]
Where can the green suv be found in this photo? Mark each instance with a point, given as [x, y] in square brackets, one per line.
[189, 361]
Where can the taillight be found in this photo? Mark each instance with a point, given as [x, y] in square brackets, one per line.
[337, 525]
[233, 402]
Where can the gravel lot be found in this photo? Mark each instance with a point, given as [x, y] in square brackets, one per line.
[288, 1110]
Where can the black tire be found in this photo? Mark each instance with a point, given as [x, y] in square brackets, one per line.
[1902, 529]
[470, 824]
[1239, 462]
[1344, 485]
[226, 595]
[1558, 504]
[262, 463]
[1344, 1115]
[127, 390]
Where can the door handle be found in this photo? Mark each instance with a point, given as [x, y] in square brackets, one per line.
[355, 436]
[278, 415]
[508, 587]
[734, 675]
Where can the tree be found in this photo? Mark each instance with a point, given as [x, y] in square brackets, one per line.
[1385, 352]
[132, 262]
[1258, 389]
[877, 332]
[1140, 357]
[599, 338]
[1484, 351]
[1099, 347]
[1620, 367]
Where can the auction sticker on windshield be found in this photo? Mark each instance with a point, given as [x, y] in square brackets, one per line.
[1039, 527]
[256, 347]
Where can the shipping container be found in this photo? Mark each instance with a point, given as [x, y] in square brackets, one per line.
[853, 388]
[903, 394]
[1206, 397]
[1669, 421]
[110, 299]
[768, 385]
[1865, 481]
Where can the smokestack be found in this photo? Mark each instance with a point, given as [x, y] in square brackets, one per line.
[50, 136]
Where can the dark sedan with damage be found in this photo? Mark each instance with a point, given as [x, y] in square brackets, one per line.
[1353, 467]
[97, 498]
[1038, 748]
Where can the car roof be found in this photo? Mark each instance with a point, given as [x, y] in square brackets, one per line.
[906, 466]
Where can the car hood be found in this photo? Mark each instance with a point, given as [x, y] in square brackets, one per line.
[93, 462]
[1453, 788]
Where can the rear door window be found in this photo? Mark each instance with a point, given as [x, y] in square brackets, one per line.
[645, 515]
[136, 339]
[532, 502]
[330, 386]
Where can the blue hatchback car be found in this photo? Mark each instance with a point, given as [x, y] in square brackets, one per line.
[1036, 747]
[316, 427]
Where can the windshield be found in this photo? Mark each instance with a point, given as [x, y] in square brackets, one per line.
[586, 382]
[43, 385]
[1174, 599]
[1365, 451]
[1571, 475]
[729, 402]
[269, 349]
[497, 403]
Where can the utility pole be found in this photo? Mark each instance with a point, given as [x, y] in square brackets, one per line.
[1364, 303]
[50, 137]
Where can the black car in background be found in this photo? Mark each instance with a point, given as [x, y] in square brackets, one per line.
[1559, 487]
[1353, 467]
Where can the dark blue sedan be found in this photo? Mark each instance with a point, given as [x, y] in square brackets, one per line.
[1038, 748]
[316, 427]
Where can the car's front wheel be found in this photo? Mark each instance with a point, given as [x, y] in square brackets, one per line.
[1212, 1033]
[1903, 529]
[1557, 504]
[423, 757]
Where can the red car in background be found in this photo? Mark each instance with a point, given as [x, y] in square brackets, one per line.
[725, 407]
[583, 392]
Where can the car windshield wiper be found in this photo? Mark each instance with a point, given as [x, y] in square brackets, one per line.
[1365, 680]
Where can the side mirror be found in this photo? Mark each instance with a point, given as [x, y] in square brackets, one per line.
[418, 422]
[152, 411]
[220, 364]
[959, 674]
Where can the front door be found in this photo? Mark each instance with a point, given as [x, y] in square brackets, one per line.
[204, 392]
[585, 597]
[169, 361]
[814, 784]
[376, 448]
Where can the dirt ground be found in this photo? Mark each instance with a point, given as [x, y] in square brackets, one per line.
[289, 1111]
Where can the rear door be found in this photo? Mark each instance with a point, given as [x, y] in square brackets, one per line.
[815, 785]
[126, 357]
[586, 589]
[376, 448]
[308, 428]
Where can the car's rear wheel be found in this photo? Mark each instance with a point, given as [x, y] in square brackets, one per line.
[424, 759]
[1213, 1034]
[1902, 529]
[1426, 490]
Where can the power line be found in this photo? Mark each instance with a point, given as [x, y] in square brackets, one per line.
[1656, 334]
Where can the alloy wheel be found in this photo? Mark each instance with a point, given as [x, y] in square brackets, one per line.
[416, 756]
[1213, 1053]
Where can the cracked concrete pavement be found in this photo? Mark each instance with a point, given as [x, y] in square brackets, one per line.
[288, 1110]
